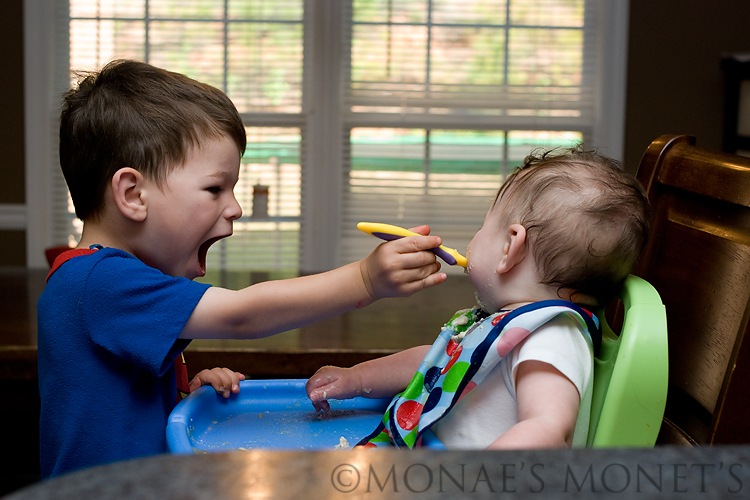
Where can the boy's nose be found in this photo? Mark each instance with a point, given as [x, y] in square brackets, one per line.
[234, 211]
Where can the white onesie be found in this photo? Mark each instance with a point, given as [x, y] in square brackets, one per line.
[489, 410]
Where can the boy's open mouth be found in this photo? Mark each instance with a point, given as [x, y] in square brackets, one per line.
[203, 251]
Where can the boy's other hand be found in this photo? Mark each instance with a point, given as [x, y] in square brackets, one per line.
[223, 380]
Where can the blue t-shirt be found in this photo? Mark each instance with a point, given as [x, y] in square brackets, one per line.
[108, 335]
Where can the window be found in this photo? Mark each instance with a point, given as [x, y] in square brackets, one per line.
[398, 111]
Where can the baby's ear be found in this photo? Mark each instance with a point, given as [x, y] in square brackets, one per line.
[514, 248]
[127, 192]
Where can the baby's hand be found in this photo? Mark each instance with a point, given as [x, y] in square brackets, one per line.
[332, 382]
[402, 267]
[223, 380]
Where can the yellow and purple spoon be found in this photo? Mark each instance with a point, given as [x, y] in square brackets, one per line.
[390, 232]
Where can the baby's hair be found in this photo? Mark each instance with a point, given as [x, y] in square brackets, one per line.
[586, 219]
[132, 114]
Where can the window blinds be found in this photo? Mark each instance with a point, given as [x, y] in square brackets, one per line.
[517, 59]
[443, 99]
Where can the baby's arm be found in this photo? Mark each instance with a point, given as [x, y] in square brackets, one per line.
[547, 409]
[377, 378]
[223, 380]
[396, 268]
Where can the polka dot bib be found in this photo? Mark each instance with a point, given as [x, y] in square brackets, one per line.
[469, 346]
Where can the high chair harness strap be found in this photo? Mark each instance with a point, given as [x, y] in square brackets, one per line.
[70, 254]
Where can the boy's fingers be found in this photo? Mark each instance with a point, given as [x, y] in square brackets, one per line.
[424, 229]
[222, 380]
[194, 384]
[434, 280]
[410, 244]
[429, 281]
[234, 380]
[420, 243]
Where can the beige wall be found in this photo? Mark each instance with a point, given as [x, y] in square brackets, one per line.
[674, 84]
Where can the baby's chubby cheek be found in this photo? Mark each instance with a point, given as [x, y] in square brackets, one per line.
[472, 272]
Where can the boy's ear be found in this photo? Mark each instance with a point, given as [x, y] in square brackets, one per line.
[127, 191]
[514, 248]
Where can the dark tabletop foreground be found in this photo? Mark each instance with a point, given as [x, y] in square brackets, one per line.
[668, 472]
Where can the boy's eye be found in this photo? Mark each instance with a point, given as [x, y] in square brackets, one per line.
[214, 189]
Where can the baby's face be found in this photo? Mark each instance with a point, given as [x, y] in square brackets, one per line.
[193, 209]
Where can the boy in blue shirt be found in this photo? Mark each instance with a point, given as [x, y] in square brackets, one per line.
[151, 158]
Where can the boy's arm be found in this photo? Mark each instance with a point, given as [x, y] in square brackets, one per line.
[377, 378]
[547, 409]
[393, 269]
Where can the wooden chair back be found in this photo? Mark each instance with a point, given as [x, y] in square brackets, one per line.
[698, 259]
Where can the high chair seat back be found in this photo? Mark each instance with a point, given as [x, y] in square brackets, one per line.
[631, 372]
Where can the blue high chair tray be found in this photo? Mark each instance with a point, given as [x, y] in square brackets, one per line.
[268, 414]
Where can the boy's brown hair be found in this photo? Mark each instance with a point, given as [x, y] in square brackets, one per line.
[133, 114]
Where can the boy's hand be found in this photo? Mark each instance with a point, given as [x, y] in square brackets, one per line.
[223, 380]
[403, 266]
[332, 382]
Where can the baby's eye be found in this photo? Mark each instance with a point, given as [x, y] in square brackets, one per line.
[214, 189]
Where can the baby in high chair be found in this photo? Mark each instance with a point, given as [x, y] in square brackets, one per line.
[516, 371]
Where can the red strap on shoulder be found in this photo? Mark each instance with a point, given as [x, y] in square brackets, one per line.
[66, 256]
[181, 374]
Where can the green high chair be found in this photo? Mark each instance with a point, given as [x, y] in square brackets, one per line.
[631, 372]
